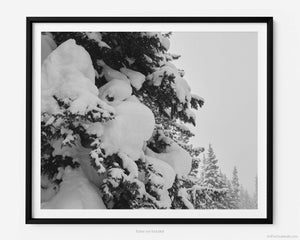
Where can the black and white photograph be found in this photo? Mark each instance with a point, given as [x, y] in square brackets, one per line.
[150, 120]
[162, 124]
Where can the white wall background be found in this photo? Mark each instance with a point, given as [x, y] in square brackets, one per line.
[286, 115]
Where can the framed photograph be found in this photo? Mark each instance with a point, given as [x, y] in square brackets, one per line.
[149, 120]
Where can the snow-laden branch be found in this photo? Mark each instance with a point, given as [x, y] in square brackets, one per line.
[184, 197]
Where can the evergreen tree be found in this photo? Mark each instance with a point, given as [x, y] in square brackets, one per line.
[210, 191]
[212, 177]
[228, 198]
[231, 201]
[235, 187]
[124, 54]
[222, 200]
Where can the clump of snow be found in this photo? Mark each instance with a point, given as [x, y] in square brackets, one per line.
[126, 133]
[97, 157]
[167, 172]
[68, 73]
[47, 46]
[130, 60]
[164, 198]
[133, 98]
[183, 90]
[184, 197]
[195, 96]
[175, 156]
[161, 58]
[115, 91]
[83, 156]
[129, 164]
[141, 188]
[48, 189]
[98, 38]
[136, 78]
[148, 59]
[182, 127]
[50, 121]
[156, 77]
[164, 41]
[76, 192]
[161, 177]
[180, 86]
[60, 149]
[171, 65]
[60, 173]
[115, 175]
[190, 114]
[70, 55]
[69, 137]
[110, 73]
[95, 128]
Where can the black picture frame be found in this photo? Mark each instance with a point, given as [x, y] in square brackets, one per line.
[29, 119]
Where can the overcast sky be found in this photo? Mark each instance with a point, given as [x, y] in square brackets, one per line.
[222, 68]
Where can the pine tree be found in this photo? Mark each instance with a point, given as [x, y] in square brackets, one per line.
[211, 170]
[223, 192]
[212, 175]
[230, 198]
[210, 191]
[235, 187]
[226, 184]
[147, 55]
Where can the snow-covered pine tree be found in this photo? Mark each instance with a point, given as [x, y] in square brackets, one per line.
[226, 184]
[212, 175]
[115, 101]
[221, 194]
[235, 187]
[230, 199]
[209, 192]
[183, 192]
